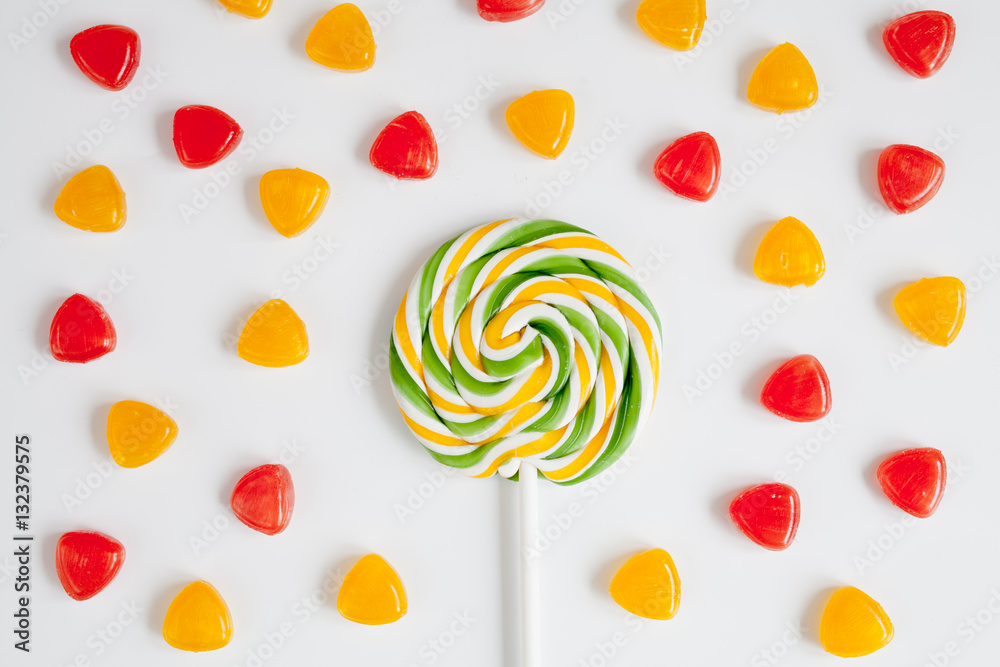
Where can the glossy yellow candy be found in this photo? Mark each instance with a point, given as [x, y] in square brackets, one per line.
[292, 199]
[342, 40]
[648, 585]
[92, 200]
[252, 9]
[542, 120]
[933, 308]
[783, 81]
[853, 624]
[198, 619]
[138, 433]
[673, 23]
[274, 336]
[789, 254]
[372, 593]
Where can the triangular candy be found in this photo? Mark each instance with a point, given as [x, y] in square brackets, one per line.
[914, 480]
[204, 135]
[198, 619]
[342, 39]
[252, 9]
[799, 390]
[690, 167]
[86, 562]
[768, 514]
[673, 23]
[920, 42]
[372, 593]
[648, 585]
[543, 121]
[908, 177]
[505, 11]
[81, 331]
[789, 255]
[406, 148]
[853, 624]
[138, 433]
[92, 200]
[107, 54]
[274, 336]
[264, 498]
[783, 81]
[292, 199]
[933, 308]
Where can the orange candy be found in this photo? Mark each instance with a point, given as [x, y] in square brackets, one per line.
[274, 336]
[673, 23]
[138, 433]
[342, 40]
[933, 308]
[198, 619]
[252, 9]
[92, 200]
[372, 593]
[853, 624]
[292, 199]
[542, 121]
[789, 255]
[648, 585]
[783, 81]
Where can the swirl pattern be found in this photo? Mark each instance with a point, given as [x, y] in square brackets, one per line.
[526, 339]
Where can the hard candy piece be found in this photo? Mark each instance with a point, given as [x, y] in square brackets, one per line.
[908, 177]
[264, 498]
[542, 120]
[914, 480]
[252, 9]
[406, 148]
[138, 433]
[648, 585]
[107, 54]
[783, 81]
[690, 166]
[933, 308]
[372, 593]
[768, 514]
[204, 135]
[799, 390]
[92, 200]
[292, 199]
[508, 10]
[673, 23]
[342, 40]
[198, 619]
[920, 42]
[81, 331]
[86, 562]
[853, 624]
[789, 255]
[274, 336]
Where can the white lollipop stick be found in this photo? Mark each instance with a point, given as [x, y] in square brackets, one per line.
[530, 610]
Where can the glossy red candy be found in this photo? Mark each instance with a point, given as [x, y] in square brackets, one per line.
[690, 167]
[914, 480]
[107, 54]
[508, 10]
[264, 498]
[920, 42]
[799, 390]
[204, 135]
[81, 331]
[768, 514]
[406, 148]
[86, 562]
[908, 177]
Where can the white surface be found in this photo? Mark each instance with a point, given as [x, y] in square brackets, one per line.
[190, 286]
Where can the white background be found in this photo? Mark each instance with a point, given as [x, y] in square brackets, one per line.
[191, 284]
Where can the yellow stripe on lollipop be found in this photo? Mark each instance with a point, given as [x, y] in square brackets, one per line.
[530, 388]
[403, 336]
[538, 446]
[584, 242]
[585, 456]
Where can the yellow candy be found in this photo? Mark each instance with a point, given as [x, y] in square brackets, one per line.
[92, 201]
[198, 619]
[372, 593]
[274, 336]
[292, 199]
[542, 121]
[648, 585]
[853, 624]
[138, 433]
[783, 81]
[673, 23]
[252, 9]
[789, 254]
[342, 40]
[933, 308]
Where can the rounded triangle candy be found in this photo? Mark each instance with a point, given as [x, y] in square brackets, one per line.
[204, 135]
[690, 167]
[933, 308]
[292, 199]
[648, 585]
[342, 39]
[406, 148]
[252, 9]
[789, 255]
[372, 593]
[908, 177]
[107, 54]
[768, 514]
[198, 619]
[506, 11]
[138, 433]
[914, 480]
[92, 200]
[86, 562]
[81, 331]
[920, 42]
[853, 624]
[673, 23]
[264, 498]
[542, 121]
[274, 336]
[799, 390]
[783, 81]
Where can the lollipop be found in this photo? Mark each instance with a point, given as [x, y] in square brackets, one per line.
[524, 346]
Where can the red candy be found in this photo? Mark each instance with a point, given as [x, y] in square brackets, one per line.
[86, 562]
[81, 331]
[508, 10]
[914, 480]
[799, 390]
[264, 498]
[406, 148]
[690, 167]
[768, 514]
[204, 135]
[921, 42]
[107, 54]
[908, 177]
